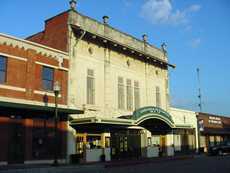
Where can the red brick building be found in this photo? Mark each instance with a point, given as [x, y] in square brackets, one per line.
[27, 74]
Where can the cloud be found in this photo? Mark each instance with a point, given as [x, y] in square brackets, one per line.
[194, 8]
[195, 42]
[162, 12]
[127, 3]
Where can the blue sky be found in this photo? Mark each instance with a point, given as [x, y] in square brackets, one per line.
[197, 33]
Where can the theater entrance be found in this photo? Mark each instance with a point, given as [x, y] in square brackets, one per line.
[125, 144]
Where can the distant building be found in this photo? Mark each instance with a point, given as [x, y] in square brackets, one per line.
[27, 74]
[121, 83]
[214, 129]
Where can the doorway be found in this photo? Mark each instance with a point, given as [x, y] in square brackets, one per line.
[16, 142]
[163, 146]
[125, 144]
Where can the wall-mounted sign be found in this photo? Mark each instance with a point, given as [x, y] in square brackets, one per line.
[214, 120]
[201, 125]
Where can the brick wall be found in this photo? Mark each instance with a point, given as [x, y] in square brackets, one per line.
[55, 34]
[27, 74]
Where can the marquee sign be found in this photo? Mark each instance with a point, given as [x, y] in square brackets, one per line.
[151, 110]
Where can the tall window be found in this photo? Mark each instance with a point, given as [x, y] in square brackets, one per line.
[90, 87]
[2, 69]
[158, 97]
[136, 95]
[129, 94]
[47, 78]
[121, 93]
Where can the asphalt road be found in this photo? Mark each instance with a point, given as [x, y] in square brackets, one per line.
[198, 164]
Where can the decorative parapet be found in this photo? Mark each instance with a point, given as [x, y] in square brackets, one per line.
[40, 49]
[98, 28]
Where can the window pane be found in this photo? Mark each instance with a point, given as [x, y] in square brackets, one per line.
[47, 78]
[2, 63]
[47, 73]
[129, 95]
[2, 77]
[121, 94]
[158, 97]
[90, 87]
[136, 95]
[47, 85]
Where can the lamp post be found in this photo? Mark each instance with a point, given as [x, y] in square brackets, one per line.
[56, 89]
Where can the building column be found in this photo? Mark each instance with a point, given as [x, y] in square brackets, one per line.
[28, 123]
[4, 131]
[169, 144]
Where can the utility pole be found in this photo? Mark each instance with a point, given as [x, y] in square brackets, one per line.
[199, 89]
[200, 109]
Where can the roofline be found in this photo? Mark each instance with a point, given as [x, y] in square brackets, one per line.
[67, 11]
[209, 114]
[124, 45]
[34, 35]
[34, 44]
[184, 110]
[118, 30]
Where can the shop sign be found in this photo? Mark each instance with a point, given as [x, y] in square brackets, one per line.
[151, 110]
[214, 120]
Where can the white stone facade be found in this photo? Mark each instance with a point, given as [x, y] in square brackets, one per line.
[108, 65]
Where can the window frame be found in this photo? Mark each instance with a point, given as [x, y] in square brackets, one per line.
[137, 101]
[121, 93]
[49, 80]
[88, 92]
[129, 95]
[158, 97]
[5, 69]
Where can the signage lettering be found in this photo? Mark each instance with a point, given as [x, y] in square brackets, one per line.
[151, 110]
[214, 120]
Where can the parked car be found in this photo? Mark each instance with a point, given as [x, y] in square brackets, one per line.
[220, 149]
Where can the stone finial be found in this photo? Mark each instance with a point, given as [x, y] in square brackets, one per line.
[145, 38]
[105, 19]
[73, 4]
[164, 47]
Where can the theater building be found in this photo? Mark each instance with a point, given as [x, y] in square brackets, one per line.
[122, 84]
[27, 75]
[214, 129]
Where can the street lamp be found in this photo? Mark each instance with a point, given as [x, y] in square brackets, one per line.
[56, 89]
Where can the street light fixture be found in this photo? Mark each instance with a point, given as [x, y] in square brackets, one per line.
[56, 89]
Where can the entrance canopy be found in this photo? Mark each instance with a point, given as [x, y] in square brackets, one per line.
[151, 112]
[147, 117]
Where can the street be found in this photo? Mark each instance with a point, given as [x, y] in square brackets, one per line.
[198, 164]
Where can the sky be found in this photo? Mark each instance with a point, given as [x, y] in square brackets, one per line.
[196, 33]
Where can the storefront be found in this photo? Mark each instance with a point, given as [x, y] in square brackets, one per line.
[149, 132]
[27, 133]
[214, 129]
